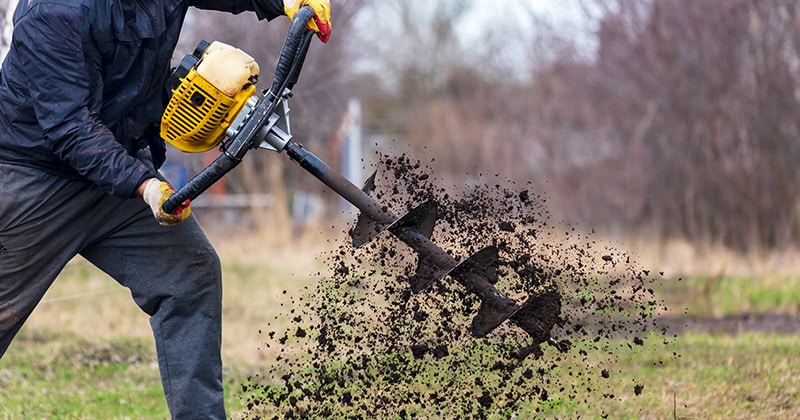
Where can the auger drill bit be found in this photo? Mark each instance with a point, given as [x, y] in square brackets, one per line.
[477, 273]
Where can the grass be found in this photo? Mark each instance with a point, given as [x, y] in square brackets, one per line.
[87, 350]
[749, 376]
[718, 296]
[55, 375]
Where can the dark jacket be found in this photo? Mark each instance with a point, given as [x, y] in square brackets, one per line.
[83, 86]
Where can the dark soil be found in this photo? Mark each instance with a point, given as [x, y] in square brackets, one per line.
[377, 350]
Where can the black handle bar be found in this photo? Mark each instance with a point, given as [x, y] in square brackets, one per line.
[287, 71]
[293, 52]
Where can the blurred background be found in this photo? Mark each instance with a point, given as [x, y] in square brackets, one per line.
[672, 119]
[669, 118]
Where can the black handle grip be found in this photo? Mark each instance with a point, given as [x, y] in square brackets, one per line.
[200, 182]
[293, 52]
[300, 58]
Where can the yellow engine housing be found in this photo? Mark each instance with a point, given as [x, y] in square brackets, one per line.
[208, 98]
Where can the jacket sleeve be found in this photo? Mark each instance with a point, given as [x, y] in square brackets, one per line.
[49, 40]
[265, 9]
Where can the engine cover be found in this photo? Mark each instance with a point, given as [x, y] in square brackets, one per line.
[210, 87]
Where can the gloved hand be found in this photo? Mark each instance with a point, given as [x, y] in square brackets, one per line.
[321, 23]
[155, 193]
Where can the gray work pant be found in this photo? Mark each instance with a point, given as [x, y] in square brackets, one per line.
[173, 273]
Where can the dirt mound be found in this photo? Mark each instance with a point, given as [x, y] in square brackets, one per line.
[373, 349]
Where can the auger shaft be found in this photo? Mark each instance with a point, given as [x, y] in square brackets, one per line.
[338, 183]
[498, 306]
[368, 205]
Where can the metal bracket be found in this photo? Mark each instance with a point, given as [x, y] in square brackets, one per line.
[277, 132]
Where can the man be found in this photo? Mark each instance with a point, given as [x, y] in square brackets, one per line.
[81, 95]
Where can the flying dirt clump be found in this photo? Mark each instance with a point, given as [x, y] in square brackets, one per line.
[364, 346]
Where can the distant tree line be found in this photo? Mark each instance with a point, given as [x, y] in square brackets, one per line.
[696, 105]
[683, 121]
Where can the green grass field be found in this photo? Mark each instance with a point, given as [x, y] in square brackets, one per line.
[87, 353]
[52, 375]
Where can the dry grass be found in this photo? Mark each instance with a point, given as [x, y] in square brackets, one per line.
[260, 280]
[680, 258]
[263, 281]
[712, 281]
[264, 275]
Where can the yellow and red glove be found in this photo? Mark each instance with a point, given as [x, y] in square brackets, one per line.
[321, 23]
[155, 193]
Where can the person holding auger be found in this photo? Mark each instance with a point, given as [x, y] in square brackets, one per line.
[82, 90]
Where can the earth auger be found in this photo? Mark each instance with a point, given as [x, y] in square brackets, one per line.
[214, 101]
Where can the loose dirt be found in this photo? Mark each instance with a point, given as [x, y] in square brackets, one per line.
[365, 346]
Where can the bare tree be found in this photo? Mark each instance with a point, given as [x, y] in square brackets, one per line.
[699, 109]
